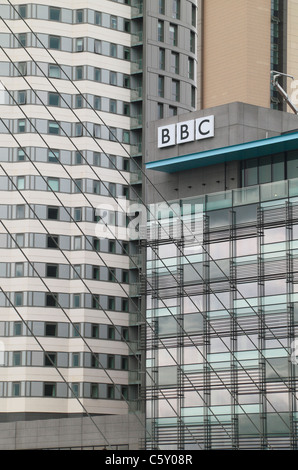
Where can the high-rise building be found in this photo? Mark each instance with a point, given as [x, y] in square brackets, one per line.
[80, 80]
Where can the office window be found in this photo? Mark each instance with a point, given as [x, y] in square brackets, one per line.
[192, 42]
[77, 271]
[112, 246]
[176, 9]
[53, 156]
[126, 137]
[21, 182]
[54, 127]
[51, 299]
[22, 69]
[113, 50]
[111, 303]
[126, 109]
[97, 46]
[52, 241]
[79, 16]
[95, 360]
[125, 277]
[124, 306]
[113, 106]
[127, 26]
[96, 244]
[54, 71]
[20, 211]
[55, 42]
[22, 37]
[112, 275]
[21, 125]
[111, 392]
[75, 390]
[113, 78]
[113, 134]
[21, 155]
[77, 215]
[95, 301]
[96, 131]
[98, 17]
[111, 362]
[97, 75]
[53, 213]
[16, 389]
[113, 22]
[162, 60]
[78, 129]
[126, 164]
[51, 329]
[22, 97]
[161, 84]
[52, 270]
[17, 328]
[79, 72]
[111, 332]
[78, 158]
[23, 11]
[193, 96]
[175, 63]
[124, 393]
[54, 13]
[160, 111]
[53, 183]
[50, 359]
[126, 53]
[191, 68]
[19, 269]
[16, 358]
[54, 99]
[96, 187]
[76, 330]
[175, 90]
[77, 243]
[20, 240]
[160, 31]
[79, 45]
[76, 301]
[126, 81]
[172, 111]
[161, 7]
[18, 299]
[49, 390]
[124, 363]
[95, 273]
[95, 331]
[97, 102]
[173, 30]
[75, 360]
[94, 391]
[193, 15]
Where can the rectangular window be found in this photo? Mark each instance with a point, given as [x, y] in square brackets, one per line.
[161, 85]
[161, 7]
[20, 240]
[95, 301]
[54, 71]
[22, 97]
[53, 156]
[191, 68]
[94, 391]
[77, 214]
[23, 11]
[17, 328]
[113, 50]
[22, 37]
[173, 34]
[49, 390]
[160, 31]
[55, 42]
[22, 69]
[21, 155]
[111, 303]
[53, 213]
[54, 99]
[21, 182]
[192, 42]
[113, 106]
[113, 78]
[21, 125]
[95, 331]
[51, 329]
[111, 392]
[75, 360]
[54, 13]
[97, 102]
[78, 158]
[175, 63]
[79, 72]
[79, 45]
[160, 112]
[16, 389]
[50, 359]
[19, 270]
[112, 246]
[111, 362]
[96, 131]
[20, 211]
[54, 127]
[193, 15]
[79, 16]
[98, 17]
[78, 129]
[77, 271]
[76, 330]
[18, 299]
[52, 241]
[77, 243]
[53, 183]
[176, 9]
[97, 75]
[95, 273]
[114, 22]
[162, 60]
[175, 90]
[76, 301]
[97, 46]
[51, 299]
[52, 270]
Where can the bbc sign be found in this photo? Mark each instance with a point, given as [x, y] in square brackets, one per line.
[197, 129]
